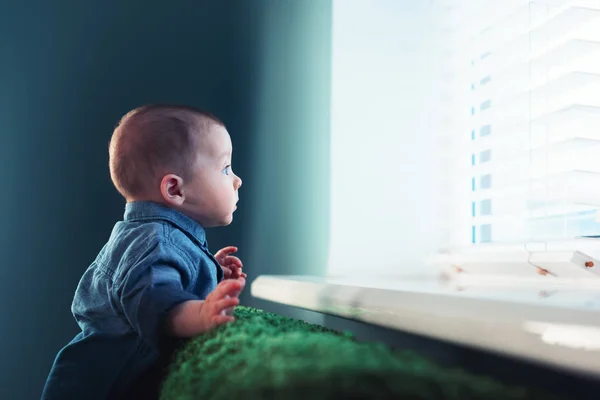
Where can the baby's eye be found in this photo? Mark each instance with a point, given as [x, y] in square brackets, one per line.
[227, 169]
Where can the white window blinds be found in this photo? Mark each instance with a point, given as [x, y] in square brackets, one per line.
[463, 127]
[526, 77]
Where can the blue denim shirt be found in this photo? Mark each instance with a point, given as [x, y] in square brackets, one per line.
[155, 259]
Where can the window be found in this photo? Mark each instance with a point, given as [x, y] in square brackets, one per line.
[485, 181]
[486, 233]
[486, 207]
[485, 105]
[491, 141]
[485, 130]
[545, 61]
[485, 156]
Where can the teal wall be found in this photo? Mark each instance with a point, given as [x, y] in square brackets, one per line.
[70, 69]
[289, 221]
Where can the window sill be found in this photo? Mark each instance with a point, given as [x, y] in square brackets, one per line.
[552, 326]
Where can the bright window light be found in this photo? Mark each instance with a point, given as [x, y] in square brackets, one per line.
[461, 125]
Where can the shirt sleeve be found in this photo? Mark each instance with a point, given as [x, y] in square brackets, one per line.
[151, 288]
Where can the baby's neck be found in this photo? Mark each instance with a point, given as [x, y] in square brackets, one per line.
[152, 198]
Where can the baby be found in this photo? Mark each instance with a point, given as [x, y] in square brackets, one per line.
[155, 280]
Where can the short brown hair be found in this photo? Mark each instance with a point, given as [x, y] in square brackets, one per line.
[152, 140]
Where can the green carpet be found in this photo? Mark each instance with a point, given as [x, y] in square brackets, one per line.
[266, 356]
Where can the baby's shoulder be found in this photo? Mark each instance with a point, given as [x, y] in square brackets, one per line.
[136, 241]
[136, 238]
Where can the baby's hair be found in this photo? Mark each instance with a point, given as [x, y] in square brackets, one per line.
[153, 140]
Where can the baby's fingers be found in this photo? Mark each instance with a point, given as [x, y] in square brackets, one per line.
[233, 261]
[225, 251]
[226, 303]
[230, 287]
[222, 319]
[236, 273]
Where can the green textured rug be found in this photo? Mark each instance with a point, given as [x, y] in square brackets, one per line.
[263, 355]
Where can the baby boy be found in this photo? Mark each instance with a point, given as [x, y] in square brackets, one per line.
[154, 281]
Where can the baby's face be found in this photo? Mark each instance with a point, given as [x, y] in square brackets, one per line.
[212, 194]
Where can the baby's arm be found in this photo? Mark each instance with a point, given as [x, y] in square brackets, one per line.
[152, 297]
[193, 317]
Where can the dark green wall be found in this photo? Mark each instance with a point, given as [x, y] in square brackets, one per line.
[69, 70]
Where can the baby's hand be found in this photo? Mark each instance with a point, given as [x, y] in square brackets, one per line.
[231, 265]
[224, 297]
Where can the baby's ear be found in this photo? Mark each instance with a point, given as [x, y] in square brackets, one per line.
[171, 189]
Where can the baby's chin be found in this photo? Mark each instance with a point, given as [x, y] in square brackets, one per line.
[211, 221]
[228, 220]
[224, 221]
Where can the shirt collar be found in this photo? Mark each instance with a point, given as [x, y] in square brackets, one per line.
[146, 210]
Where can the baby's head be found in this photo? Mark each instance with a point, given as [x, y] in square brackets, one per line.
[177, 156]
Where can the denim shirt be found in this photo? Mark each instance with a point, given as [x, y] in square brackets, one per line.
[155, 259]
